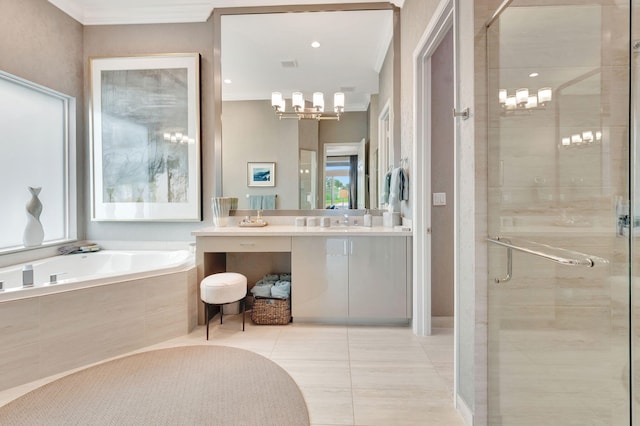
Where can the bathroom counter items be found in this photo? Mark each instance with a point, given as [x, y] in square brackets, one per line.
[287, 230]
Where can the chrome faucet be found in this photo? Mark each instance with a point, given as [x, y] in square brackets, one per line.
[27, 276]
[346, 220]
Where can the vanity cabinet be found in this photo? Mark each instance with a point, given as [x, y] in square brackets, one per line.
[356, 279]
[320, 278]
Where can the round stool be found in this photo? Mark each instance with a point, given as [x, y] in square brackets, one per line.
[222, 289]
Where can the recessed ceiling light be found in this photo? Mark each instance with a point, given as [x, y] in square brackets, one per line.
[534, 74]
[227, 81]
[315, 44]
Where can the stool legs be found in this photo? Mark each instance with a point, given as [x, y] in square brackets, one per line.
[207, 312]
[207, 317]
[243, 302]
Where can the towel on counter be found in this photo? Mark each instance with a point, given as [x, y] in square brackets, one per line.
[398, 188]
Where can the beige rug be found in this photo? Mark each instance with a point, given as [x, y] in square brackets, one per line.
[190, 385]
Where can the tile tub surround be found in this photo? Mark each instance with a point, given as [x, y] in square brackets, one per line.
[49, 334]
[348, 375]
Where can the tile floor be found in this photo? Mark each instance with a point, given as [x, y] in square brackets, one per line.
[349, 375]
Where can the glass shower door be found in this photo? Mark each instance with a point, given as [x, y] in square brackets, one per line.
[559, 246]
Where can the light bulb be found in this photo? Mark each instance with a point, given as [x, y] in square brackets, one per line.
[318, 101]
[544, 95]
[276, 99]
[297, 100]
[522, 96]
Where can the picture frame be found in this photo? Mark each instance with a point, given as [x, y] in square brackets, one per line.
[261, 174]
[145, 138]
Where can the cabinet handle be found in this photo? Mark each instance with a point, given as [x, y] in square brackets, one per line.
[344, 247]
[350, 247]
[248, 244]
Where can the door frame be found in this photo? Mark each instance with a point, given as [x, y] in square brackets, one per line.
[443, 20]
[438, 27]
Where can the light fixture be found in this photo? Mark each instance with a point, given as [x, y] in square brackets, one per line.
[178, 137]
[524, 99]
[315, 44]
[544, 95]
[522, 96]
[581, 139]
[301, 113]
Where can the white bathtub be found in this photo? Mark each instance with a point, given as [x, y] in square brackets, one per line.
[82, 270]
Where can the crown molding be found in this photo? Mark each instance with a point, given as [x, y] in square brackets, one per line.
[148, 12]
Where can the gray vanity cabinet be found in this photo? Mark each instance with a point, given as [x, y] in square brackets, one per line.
[377, 278]
[320, 272]
[358, 279]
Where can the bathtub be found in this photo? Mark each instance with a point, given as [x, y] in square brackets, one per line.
[82, 270]
[106, 304]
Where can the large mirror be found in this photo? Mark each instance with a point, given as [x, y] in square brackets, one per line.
[326, 163]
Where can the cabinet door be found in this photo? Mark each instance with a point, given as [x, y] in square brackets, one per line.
[319, 281]
[378, 278]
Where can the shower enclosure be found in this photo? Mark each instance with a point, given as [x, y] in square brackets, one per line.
[563, 219]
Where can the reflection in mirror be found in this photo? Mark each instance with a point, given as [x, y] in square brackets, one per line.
[262, 53]
[344, 175]
[308, 179]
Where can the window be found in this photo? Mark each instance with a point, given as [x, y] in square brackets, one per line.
[37, 149]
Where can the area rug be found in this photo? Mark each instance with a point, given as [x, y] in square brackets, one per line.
[189, 385]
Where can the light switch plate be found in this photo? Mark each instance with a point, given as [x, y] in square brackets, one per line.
[439, 198]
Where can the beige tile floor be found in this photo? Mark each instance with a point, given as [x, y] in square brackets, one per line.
[349, 375]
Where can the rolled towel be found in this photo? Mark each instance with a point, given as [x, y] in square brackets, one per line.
[262, 289]
[271, 278]
[285, 276]
[281, 290]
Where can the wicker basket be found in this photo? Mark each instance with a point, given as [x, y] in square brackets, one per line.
[267, 311]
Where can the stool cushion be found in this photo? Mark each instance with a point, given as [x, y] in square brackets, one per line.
[225, 287]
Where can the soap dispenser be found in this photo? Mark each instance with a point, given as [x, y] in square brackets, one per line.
[367, 219]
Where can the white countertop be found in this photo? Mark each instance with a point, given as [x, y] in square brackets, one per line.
[299, 231]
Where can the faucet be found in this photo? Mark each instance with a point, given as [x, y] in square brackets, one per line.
[27, 276]
[346, 220]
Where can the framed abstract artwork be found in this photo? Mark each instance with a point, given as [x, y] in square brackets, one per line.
[145, 138]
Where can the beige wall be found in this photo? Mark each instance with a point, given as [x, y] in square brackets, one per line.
[116, 40]
[252, 133]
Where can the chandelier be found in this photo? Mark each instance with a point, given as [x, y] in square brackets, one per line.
[581, 139]
[178, 138]
[301, 113]
[524, 99]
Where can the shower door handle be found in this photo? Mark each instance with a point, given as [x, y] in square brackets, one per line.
[576, 258]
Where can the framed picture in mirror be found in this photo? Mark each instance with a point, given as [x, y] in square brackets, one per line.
[261, 174]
